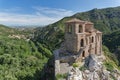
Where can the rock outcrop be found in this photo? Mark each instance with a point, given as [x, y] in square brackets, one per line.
[93, 70]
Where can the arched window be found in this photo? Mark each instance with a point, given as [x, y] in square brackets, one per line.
[80, 29]
[82, 43]
[92, 39]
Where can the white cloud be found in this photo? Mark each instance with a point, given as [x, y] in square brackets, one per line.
[53, 11]
[114, 2]
[41, 16]
[11, 18]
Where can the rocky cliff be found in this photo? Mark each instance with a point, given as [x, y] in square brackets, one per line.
[93, 69]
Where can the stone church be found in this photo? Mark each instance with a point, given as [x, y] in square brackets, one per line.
[81, 40]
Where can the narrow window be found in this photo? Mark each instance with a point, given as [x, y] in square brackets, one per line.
[82, 43]
[83, 54]
[92, 39]
[80, 29]
[69, 28]
[89, 51]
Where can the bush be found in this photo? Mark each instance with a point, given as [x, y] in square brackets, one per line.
[75, 65]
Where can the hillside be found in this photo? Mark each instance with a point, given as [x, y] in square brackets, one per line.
[20, 58]
[112, 41]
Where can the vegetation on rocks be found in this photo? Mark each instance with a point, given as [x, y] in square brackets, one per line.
[75, 65]
[61, 76]
[111, 61]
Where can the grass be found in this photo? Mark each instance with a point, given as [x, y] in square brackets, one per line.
[109, 66]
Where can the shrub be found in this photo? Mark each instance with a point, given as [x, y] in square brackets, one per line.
[75, 65]
[109, 66]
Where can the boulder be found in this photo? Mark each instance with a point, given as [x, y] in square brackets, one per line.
[94, 64]
[75, 74]
[105, 75]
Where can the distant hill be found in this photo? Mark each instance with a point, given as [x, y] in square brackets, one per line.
[105, 20]
[112, 41]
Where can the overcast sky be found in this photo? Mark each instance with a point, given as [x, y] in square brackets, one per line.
[44, 12]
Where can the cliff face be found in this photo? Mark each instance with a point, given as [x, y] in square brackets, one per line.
[93, 69]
